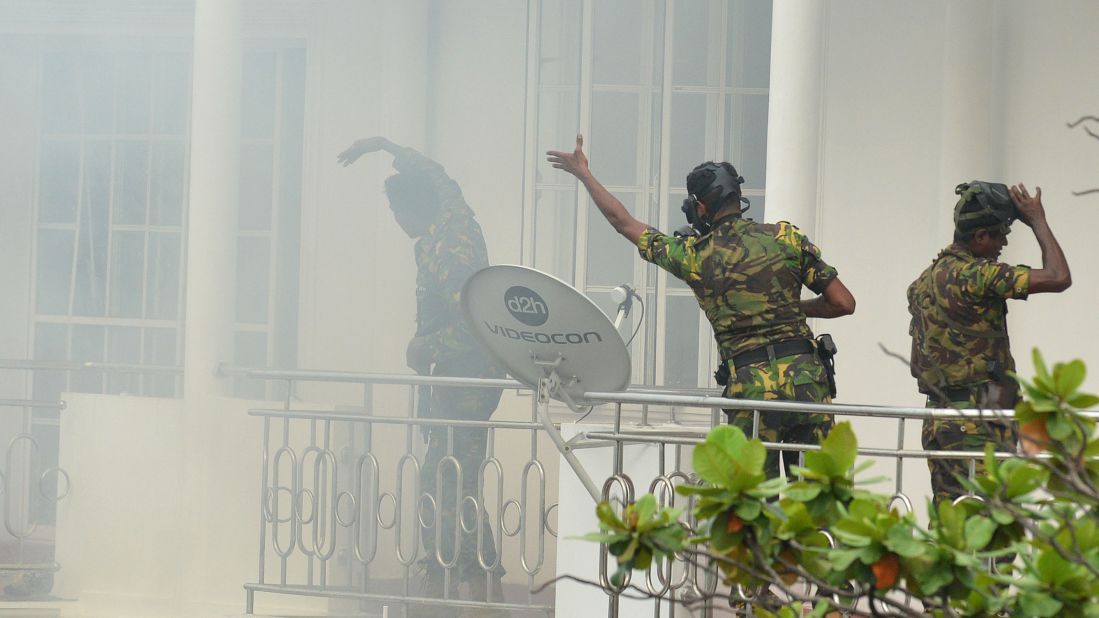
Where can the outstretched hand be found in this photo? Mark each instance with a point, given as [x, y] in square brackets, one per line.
[363, 146]
[1030, 207]
[575, 162]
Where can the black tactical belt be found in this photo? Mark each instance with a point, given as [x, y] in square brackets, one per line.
[773, 350]
[956, 393]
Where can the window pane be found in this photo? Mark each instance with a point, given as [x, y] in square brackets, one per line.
[614, 137]
[166, 184]
[256, 185]
[87, 346]
[688, 141]
[61, 93]
[160, 350]
[258, 100]
[98, 88]
[555, 233]
[171, 93]
[681, 345]
[749, 57]
[163, 276]
[90, 286]
[746, 137]
[557, 124]
[253, 271]
[54, 271]
[58, 176]
[127, 274]
[250, 350]
[51, 343]
[758, 207]
[694, 39]
[131, 186]
[610, 260]
[124, 348]
[616, 38]
[133, 92]
[560, 42]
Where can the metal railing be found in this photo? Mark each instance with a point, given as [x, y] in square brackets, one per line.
[28, 484]
[342, 512]
[32, 481]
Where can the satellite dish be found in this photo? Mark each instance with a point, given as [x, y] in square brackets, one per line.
[539, 327]
[535, 324]
[549, 336]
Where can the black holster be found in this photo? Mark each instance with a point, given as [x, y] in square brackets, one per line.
[826, 351]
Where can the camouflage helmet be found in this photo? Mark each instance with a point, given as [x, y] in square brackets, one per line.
[983, 206]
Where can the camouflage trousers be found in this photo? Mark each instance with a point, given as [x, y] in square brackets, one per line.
[967, 435]
[450, 449]
[800, 377]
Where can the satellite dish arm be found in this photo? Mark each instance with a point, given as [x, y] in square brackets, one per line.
[566, 450]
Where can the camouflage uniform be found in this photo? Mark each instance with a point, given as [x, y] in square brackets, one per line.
[960, 349]
[447, 254]
[747, 277]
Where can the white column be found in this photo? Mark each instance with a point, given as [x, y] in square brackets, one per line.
[212, 207]
[794, 113]
[970, 105]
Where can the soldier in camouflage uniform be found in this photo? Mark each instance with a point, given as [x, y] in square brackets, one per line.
[429, 207]
[961, 354]
[747, 277]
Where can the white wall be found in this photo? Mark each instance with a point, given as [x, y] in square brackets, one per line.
[160, 521]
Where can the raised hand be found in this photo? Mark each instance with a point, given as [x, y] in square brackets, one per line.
[363, 146]
[575, 162]
[1030, 207]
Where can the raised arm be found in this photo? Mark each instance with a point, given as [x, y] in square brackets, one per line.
[1054, 275]
[576, 163]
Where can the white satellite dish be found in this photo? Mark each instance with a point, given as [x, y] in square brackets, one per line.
[549, 336]
[531, 321]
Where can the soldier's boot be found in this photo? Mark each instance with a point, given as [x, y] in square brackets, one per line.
[432, 585]
[489, 589]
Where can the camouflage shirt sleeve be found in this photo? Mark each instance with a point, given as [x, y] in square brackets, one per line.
[816, 274]
[990, 279]
[409, 160]
[675, 254]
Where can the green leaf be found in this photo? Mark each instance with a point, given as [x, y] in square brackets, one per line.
[748, 510]
[822, 463]
[1039, 604]
[1040, 366]
[607, 517]
[900, 541]
[1023, 480]
[729, 438]
[802, 491]
[714, 465]
[645, 508]
[842, 445]
[752, 457]
[978, 532]
[1059, 427]
[1069, 376]
[1083, 401]
[1002, 516]
[842, 558]
[1052, 568]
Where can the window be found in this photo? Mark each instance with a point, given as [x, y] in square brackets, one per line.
[656, 87]
[110, 219]
[268, 239]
